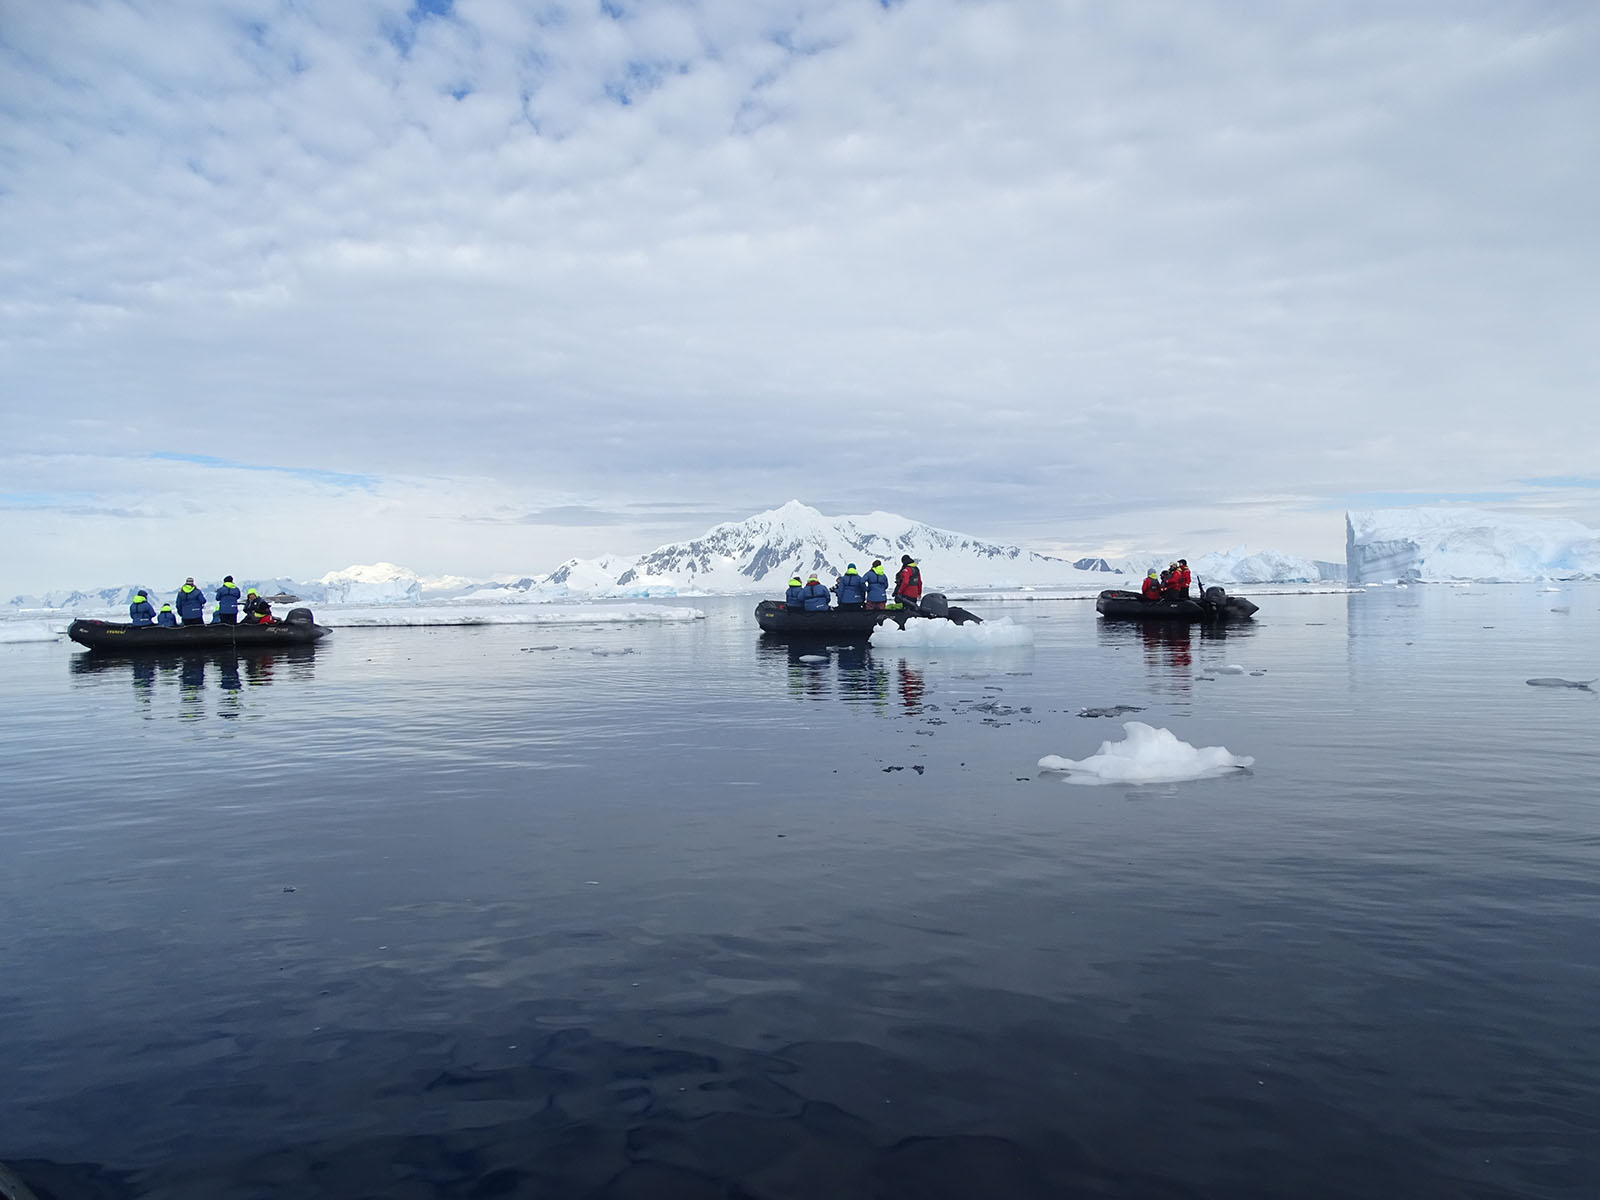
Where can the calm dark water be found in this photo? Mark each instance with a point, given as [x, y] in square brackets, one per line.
[652, 913]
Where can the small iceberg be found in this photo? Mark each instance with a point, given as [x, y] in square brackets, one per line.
[17, 632]
[942, 634]
[1148, 755]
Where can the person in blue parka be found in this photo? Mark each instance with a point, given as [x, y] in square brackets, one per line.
[191, 602]
[851, 588]
[877, 584]
[795, 598]
[166, 616]
[816, 594]
[227, 603]
[141, 611]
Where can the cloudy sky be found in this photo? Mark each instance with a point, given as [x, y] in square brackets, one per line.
[476, 286]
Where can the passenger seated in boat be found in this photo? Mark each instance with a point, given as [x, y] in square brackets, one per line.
[1151, 588]
[851, 589]
[141, 611]
[877, 585]
[256, 610]
[816, 594]
[191, 603]
[795, 598]
[227, 603]
[166, 616]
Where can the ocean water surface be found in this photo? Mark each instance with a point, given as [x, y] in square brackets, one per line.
[664, 911]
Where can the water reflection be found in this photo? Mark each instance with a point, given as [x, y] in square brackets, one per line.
[1169, 647]
[191, 678]
[851, 673]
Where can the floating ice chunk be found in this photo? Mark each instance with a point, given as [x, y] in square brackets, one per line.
[938, 632]
[30, 631]
[813, 658]
[1231, 669]
[1110, 710]
[1148, 755]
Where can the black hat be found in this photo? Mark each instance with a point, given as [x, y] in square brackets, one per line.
[904, 559]
[227, 579]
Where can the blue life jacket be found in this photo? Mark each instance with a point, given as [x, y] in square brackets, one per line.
[852, 588]
[141, 611]
[795, 597]
[191, 603]
[877, 585]
[166, 616]
[227, 599]
[816, 597]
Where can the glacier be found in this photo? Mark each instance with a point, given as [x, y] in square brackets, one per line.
[1453, 544]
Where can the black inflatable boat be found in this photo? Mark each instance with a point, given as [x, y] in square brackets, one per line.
[1214, 604]
[296, 629]
[777, 618]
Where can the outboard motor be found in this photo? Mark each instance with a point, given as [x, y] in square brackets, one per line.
[933, 604]
[1215, 595]
[299, 616]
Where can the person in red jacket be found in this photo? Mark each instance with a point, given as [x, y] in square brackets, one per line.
[908, 583]
[1151, 588]
[1184, 578]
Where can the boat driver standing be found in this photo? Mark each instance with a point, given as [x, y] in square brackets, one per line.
[908, 583]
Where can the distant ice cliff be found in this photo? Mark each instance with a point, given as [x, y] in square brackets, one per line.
[1466, 543]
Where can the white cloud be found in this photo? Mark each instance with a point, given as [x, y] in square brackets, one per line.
[1022, 268]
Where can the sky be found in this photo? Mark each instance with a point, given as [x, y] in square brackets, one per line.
[478, 286]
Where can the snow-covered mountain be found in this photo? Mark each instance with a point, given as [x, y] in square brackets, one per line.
[1243, 565]
[1466, 543]
[758, 554]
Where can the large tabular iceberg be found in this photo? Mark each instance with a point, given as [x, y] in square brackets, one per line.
[1466, 543]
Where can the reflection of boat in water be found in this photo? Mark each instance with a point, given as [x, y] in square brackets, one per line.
[1214, 604]
[257, 663]
[775, 617]
[117, 637]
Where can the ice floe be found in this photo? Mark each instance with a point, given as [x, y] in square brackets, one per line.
[499, 614]
[31, 631]
[1147, 755]
[943, 634]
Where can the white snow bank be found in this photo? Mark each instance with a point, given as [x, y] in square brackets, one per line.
[30, 631]
[936, 631]
[1149, 755]
[497, 614]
